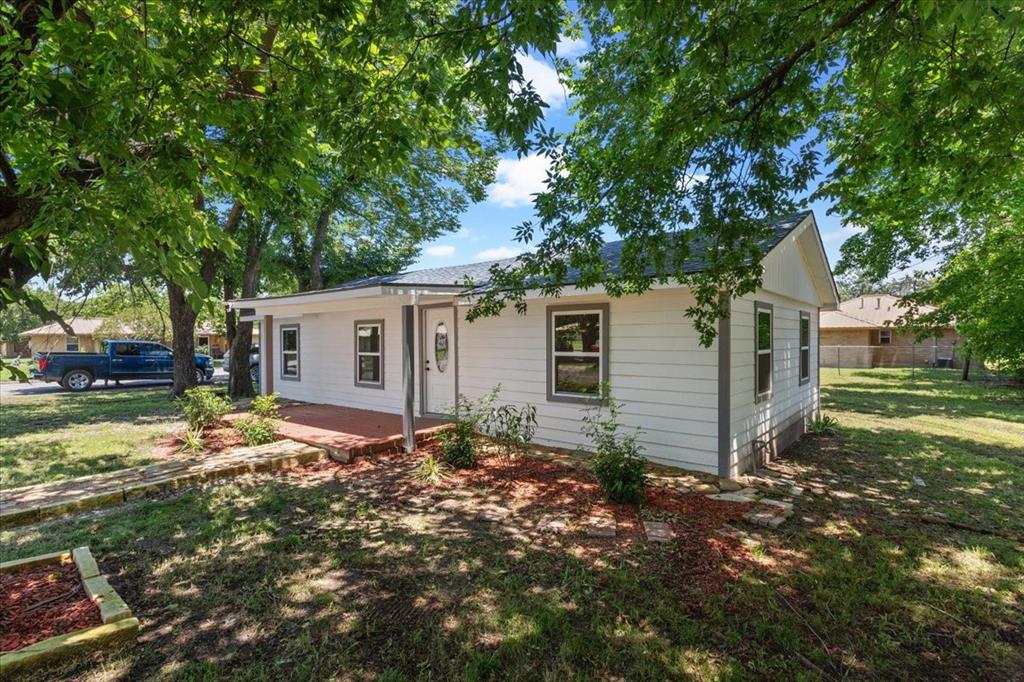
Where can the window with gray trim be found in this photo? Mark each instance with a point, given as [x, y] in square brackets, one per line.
[370, 353]
[805, 347]
[290, 352]
[577, 352]
[763, 349]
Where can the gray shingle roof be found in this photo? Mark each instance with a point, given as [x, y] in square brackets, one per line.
[479, 273]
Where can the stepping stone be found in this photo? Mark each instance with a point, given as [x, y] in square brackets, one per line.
[705, 488]
[658, 531]
[730, 497]
[751, 493]
[796, 491]
[767, 516]
[550, 524]
[784, 506]
[600, 527]
[494, 514]
[728, 485]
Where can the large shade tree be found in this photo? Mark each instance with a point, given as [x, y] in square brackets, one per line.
[152, 128]
[717, 116]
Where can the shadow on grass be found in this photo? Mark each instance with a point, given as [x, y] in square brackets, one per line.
[52, 412]
[302, 579]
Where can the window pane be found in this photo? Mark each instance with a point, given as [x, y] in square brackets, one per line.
[289, 340]
[441, 347]
[369, 339]
[805, 331]
[369, 368]
[578, 333]
[764, 373]
[805, 363]
[126, 349]
[291, 364]
[764, 330]
[577, 375]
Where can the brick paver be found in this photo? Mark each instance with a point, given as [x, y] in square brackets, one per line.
[20, 506]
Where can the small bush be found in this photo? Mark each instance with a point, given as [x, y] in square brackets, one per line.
[512, 427]
[255, 430]
[457, 445]
[824, 426]
[192, 441]
[431, 470]
[618, 462]
[266, 406]
[203, 408]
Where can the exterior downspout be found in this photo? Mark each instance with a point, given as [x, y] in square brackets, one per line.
[725, 391]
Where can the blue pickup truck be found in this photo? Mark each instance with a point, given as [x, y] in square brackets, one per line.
[125, 359]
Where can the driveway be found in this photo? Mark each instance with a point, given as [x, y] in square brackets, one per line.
[13, 389]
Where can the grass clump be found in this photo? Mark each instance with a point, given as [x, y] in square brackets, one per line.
[192, 441]
[824, 425]
[203, 408]
[266, 406]
[431, 471]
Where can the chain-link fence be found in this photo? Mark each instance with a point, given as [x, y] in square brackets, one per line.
[909, 356]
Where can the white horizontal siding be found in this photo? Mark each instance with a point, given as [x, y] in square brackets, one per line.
[657, 369]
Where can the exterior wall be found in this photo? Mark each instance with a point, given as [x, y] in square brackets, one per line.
[667, 382]
[861, 348]
[56, 343]
[327, 359]
[779, 419]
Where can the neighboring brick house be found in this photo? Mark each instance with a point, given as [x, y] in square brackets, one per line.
[87, 338]
[861, 333]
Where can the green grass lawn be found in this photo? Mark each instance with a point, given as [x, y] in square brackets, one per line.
[342, 573]
[63, 435]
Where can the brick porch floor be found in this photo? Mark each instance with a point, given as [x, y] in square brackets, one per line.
[347, 431]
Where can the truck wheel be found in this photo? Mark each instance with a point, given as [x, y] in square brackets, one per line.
[254, 374]
[200, 376]
[77, 380]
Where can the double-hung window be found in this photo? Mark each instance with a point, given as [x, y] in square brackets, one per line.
[71, 344]
[370, 353]
[290, 352]
[763, 349]
[885, 337]
[805, 347]
[577, 352]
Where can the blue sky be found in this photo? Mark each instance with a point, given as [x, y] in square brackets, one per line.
[488, 228]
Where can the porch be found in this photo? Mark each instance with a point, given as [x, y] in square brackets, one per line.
[348, 432]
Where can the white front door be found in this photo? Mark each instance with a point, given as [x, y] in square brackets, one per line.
[438, 357]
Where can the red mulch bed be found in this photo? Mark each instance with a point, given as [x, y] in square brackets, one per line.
[217, 438]
[28, 616]
[699, 561]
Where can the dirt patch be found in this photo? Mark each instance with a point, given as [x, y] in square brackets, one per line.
[42, 602]
[216, 438]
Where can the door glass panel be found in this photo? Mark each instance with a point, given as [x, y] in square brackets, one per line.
[441, 347]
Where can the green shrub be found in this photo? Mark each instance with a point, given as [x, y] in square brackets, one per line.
[255, 430]
[824, 426]
[192, 441]
[618, 462]
[431, 470]
[203, 408]
[512, 427]
[457, 445]
[266, 406]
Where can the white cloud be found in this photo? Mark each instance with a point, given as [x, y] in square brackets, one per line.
[518, 180]
[544, 79]
[571, 47]
[441, 250]
[463, 233]
[498, 253]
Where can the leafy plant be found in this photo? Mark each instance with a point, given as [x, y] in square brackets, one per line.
[431, 470]
[824, 426]
[192, 441]
[457, 445]
[202, 407]
[266, 406]
[255, 430]
[618, 462]
[513, 427]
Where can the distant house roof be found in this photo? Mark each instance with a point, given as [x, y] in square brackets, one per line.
[82, 326]
[872, 311]
[478, 274]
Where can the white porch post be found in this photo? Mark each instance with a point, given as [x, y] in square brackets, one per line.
[408, 384]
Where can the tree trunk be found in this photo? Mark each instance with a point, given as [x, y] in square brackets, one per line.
[230, 316]
[967, 368]
[183, 328]
[240, 383]
[316, 276]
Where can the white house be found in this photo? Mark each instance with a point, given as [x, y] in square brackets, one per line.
[401, 344]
